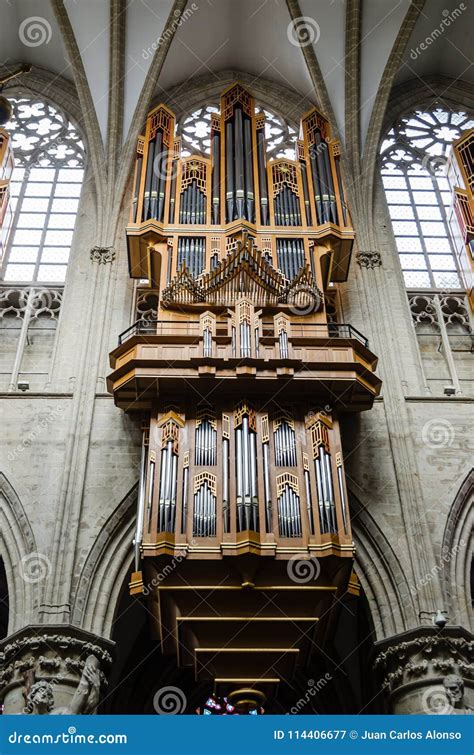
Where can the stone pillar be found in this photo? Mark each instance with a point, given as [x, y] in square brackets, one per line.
[427, 670]
[53, 669]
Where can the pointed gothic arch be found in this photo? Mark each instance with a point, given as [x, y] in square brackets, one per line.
[19, 554]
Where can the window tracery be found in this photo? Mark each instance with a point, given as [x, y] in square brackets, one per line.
[195, 132]
[414, 159]
[45, 189]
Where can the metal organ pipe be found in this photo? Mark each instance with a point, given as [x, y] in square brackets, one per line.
[229, 173]
[136, 191]
[246, 469]
[225, 484]
[239, 162]
[266, 483]
[216, 176]
[140, 504]
[185, 499]
[148, 179]
[307, 204]
[318, 191]
[262, 177]
[323, 150]
[249, 195]
[340, 477]
[155, 179]
[309, 501]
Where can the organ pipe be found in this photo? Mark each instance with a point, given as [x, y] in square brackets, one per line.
[140, 503]
[249, 195]
[216, 176]
[246, 473]
[148, 180]
[267, 487]
[168, 483]
[225, 484]
[136, 191]
[309, 501]
[229, 177]
[262, 177]
[204, 515]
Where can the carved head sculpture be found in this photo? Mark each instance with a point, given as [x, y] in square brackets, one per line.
[454, 686]
[40, 700]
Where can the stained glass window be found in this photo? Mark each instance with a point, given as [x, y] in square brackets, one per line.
[414, 159]
[45, 189]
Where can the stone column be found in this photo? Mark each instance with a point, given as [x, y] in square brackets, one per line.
[53, 669]
[427, 670]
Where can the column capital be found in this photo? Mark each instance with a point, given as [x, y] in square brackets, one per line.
[102, 254]
[53, 669]
[427, 670]
[369, 259]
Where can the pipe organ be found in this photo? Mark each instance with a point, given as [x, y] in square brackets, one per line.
[240, 378]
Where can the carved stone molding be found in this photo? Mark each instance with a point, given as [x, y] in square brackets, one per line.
[427, 670]
[103, 255]
[369, 260]
[59, 669]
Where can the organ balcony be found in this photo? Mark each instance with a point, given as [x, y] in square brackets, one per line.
[251, 347]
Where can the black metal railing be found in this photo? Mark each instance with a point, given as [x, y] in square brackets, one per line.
[298, 330]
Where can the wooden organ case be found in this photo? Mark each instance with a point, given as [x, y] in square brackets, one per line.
[243, 540]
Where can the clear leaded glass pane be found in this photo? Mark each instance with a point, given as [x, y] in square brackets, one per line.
[413, 164]
[46, 185]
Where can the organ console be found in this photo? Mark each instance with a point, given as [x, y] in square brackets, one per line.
[240, 379]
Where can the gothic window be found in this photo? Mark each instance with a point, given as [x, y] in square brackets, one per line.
[45, 188]
[195, 131]
[414, 159]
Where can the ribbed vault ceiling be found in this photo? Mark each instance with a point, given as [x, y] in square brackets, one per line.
[119, 56]
[248, 35]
